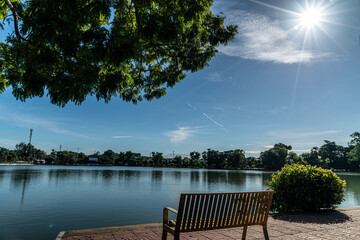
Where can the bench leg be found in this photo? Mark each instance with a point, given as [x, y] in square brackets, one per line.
[164, 234]
[177, 236]
[244, 233]
[265, 232]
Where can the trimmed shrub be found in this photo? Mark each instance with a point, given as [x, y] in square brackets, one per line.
[305, 188]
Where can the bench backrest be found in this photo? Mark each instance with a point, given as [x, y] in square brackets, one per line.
[220, 210]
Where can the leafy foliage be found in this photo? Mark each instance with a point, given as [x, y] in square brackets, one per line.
[327, 156]
[157, 158]
[305, 188]
[335, 154]
[354, 152]
[275, 158]
[130, 49]
[313, 158]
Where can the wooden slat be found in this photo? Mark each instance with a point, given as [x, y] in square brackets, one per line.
[252, 208]
[268, 206]
[213, 209]
[219, 210]
[236, 205]
[196, 209]
[266, 200]
[199, 213]
[237, 199]
[244, 211]
[237, 208]
[231, 205]
[222, 216]
[224, 211]
[221, 193]
[208, 212]
[255, 205]
[204, 213]
[261, 208]
[219, 205]
[190, 215]
[187, 204]
[180, 212]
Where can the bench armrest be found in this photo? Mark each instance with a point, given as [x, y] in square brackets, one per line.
[171, 209]
[166, 214]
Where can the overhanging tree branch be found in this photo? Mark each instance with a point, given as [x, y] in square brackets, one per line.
[16, 20]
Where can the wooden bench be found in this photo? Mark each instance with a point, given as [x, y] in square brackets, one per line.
[207, 211]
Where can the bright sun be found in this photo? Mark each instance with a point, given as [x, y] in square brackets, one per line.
[310, 17]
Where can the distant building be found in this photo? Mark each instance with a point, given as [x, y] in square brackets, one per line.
[93, 161]
[40, 161]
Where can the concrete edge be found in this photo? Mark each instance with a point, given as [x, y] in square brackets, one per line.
[60, 235]
[138, 226]
[107, 230]
[348, 208]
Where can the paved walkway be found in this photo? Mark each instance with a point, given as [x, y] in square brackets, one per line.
[341, 224]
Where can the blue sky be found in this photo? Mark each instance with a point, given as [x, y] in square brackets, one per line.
[279, 81]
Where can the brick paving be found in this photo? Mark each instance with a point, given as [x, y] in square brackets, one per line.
[343, 223]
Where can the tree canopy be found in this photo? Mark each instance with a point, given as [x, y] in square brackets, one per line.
[132, 49]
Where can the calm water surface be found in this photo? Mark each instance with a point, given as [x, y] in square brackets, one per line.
[36, 202]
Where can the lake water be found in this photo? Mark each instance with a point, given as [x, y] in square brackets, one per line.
[37, 202]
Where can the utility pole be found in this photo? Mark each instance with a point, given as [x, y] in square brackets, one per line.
[31, 131]
[29, 149]
[60, 148]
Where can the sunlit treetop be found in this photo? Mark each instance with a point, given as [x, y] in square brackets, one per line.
[130, 49]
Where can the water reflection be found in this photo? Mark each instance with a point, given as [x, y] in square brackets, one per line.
[60, 175]
[177, 175]
[235, 178]
[156, 178]
[89, 197]
[195, 178]
[352, 187]
[21, 178]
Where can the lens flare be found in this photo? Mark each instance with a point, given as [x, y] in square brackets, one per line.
[311, 17]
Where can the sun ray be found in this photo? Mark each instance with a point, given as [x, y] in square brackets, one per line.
[295, 87]
[339, 45]
[276, 8]
[298, 71]
[341, 24]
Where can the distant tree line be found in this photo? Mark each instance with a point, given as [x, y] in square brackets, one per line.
[329, 155]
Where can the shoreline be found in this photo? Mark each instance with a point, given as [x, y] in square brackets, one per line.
[16, 164]
[171, 167]
[342, 223]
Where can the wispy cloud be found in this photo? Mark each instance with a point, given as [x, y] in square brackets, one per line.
[253, 152]
[298, 134]
[30, 121]
[120, 137]
[269, 146]
[181, 134]
[215, 77]
[263, 39]
[213, 121]
[193, 107]
[301, 151]
[209, 118]
[8, 143]
[278, 110]
[218, 108]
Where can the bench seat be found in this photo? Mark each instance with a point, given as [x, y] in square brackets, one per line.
[207, 211]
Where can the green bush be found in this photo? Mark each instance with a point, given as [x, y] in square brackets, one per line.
[305, 188]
